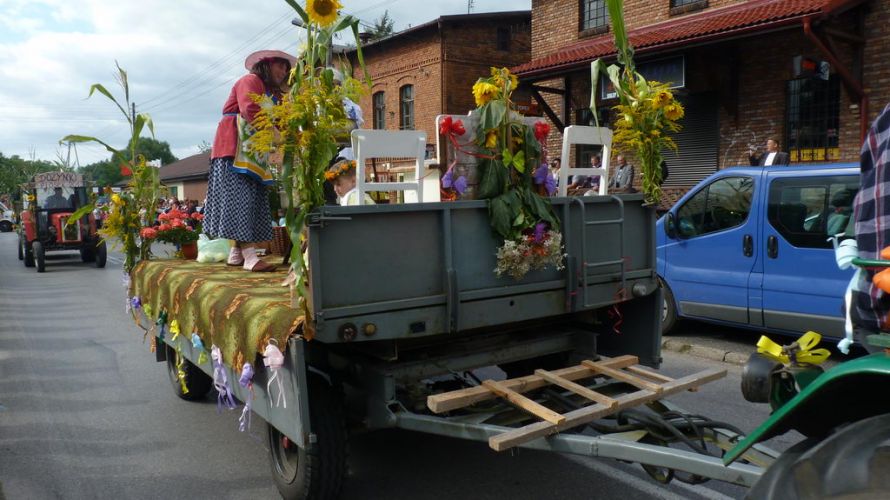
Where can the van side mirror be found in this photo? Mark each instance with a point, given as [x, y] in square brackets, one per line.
[670, 226]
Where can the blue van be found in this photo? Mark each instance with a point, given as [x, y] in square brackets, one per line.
[748, 247]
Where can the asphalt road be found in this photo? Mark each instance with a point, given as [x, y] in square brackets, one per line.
[86, 412]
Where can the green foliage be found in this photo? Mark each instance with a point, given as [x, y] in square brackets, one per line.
[14, 171]
[383, 26]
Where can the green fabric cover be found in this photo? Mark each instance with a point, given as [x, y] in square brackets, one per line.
[237, 310]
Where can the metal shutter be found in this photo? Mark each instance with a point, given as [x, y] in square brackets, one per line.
[697, 143]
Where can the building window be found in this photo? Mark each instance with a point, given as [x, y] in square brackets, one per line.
[679, 7]
[379, 110]
[406, 100]
[681, 3]
[813, 119]
[503, 38]
[593, 14]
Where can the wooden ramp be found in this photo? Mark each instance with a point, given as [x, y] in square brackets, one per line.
[649, 386]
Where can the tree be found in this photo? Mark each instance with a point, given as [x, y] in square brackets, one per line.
[383, 26]
[151, 149]
[204, 147]
[14, 171]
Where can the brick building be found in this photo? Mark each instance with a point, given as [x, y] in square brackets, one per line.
[811, 73]
[430, 69]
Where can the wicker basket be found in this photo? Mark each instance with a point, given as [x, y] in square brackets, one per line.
[280, 240]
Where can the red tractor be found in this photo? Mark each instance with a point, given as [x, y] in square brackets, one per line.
[52, 198]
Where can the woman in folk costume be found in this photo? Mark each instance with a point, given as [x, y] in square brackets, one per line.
[237, 199]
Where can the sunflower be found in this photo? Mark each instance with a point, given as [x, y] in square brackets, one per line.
[499, 74]
[673, 111]
[484, 92]
[491, 139]
[663, 98]
[323, 12]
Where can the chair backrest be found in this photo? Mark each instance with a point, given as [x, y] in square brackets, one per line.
[594, 136]
[369, 144]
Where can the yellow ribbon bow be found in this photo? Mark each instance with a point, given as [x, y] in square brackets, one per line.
[174, 329]
[800, 351]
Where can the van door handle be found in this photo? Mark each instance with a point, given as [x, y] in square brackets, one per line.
[748, 245]
[772, 247]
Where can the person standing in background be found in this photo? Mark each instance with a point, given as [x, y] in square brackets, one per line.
[772, 156]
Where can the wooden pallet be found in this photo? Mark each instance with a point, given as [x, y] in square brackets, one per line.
[650, 386]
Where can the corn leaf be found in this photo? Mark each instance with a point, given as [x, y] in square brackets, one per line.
[302, 13]
[101, 88]
[86, 138]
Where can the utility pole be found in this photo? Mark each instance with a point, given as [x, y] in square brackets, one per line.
[469, 6]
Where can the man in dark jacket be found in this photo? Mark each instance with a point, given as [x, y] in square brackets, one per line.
[772, 156]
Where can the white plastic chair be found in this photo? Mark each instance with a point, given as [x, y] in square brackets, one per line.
[593, 136]
[390, 144]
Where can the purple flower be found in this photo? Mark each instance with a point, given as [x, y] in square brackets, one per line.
[447, 179]
[542, 176]
[540, 229]
[135, 303]
[460, 185]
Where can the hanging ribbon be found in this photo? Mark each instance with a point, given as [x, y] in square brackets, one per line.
[161, 323]
[844, 253]
[246, 381]
[802, 351]
[274, 359]
[180, 370]
[197, 344]
[221, 382]
[174, 329]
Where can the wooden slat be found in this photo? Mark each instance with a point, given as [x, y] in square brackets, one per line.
[523, 402]
[587, 414]
[639, 370]
[623, 376]
[439, 403]
[577, 388]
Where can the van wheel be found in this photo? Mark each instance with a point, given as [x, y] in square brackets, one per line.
[39, 256]
[5, 226]
[319, 471]
[851, 463]
[197, 382]
[668, 308]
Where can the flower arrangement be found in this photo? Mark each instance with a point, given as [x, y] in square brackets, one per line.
[344, 168]
[512, 155]
[646, 110]
[308, 123]
[127, 210]
[175, 227]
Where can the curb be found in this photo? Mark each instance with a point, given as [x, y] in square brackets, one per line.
[712, 353]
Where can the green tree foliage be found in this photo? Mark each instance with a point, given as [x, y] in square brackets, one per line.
[383, 26]
[108, 172]
[15, 171]
[151, 149]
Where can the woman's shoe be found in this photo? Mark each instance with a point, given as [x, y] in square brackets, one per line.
[262, 267]
[236, 258]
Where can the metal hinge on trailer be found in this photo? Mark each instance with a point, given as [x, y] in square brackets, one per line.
[650, 386]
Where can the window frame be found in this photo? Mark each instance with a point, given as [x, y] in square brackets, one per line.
[406, 107]
[824, 106]
[807, 237]
[705, 191]
[586, 21]
[379, 110]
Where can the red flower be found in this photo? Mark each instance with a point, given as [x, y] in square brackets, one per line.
[148, 233]
[542, 130]
[176, 223]
[197, 216]
[164, 227]
[163, 216]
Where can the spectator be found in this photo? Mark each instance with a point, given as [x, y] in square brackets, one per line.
[772, 156]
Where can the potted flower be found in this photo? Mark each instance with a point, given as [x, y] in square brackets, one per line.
[178, 228]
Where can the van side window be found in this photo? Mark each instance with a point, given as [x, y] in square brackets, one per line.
[723, 204]
[805, 211]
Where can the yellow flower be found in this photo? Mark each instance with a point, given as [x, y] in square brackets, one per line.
[673, 111]
[491, 139]
[655, 132]
[116, 199]
[663, 98]
[498, 75]
[484, 92]
[323, 12]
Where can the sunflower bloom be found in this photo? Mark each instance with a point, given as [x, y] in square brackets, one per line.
[663, 98]
[484, 92]
[673, 111]
[323, 12]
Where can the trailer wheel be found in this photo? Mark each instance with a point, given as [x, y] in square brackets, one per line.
[39, 256]
[319, 471]
[21, 250]
[851, 463]
[197, 382]
[28, 251]
[101, 255]
[668, 308]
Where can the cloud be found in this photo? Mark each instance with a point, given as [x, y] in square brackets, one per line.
[181, 58]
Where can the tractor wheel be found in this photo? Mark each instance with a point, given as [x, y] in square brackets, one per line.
[28, 251]
[851, 463]
[101, 255]
[319, 471]
[197, 382]
[87, 254]
[668, 309]
[21, 250]
[5, 226]
[39, 256]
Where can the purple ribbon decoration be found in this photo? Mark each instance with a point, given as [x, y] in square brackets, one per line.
[246, 381]
[274, 359]
[221, 382]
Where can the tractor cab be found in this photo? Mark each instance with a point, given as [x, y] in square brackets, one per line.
[52, 197]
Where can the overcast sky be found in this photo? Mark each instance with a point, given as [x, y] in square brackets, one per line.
[181, 57]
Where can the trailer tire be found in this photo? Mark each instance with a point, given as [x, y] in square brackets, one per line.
[197, 382]
[21, 250]
[39, 256]
[668, 309]
[851, 463]
[28, 251]
[318, 472]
